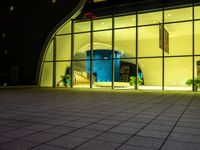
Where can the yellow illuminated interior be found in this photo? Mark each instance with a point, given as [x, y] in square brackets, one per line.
[176, 69]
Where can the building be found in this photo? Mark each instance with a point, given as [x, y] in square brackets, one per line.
[109, 44]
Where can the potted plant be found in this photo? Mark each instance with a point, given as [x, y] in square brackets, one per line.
[132, 81]
[66, 80]
[196, 83]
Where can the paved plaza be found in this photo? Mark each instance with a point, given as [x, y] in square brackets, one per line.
[80, 119]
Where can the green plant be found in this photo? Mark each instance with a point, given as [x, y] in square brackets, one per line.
[132, 81]
[66, 80]
[189, 82]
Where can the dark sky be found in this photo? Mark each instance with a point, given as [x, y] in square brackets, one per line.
[24, 26]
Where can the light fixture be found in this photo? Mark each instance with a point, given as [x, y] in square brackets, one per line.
[53, 1]
[169, 15]
[11, 8]
[3, 35]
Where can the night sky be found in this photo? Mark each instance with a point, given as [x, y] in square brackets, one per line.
[24, 27]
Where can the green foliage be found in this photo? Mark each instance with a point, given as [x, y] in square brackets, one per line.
[133, 81]
[66, 78]
[196, 81]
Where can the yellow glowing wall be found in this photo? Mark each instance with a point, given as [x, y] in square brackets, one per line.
[177, 69]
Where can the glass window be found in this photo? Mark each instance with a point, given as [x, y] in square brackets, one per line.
[102, 41]
[177, 71]
[125, 21]
[180, 38]
[100, 24]
[125, 73]
[63, 47]
[47, 74]
[151, 72]
[102, 71]
[178, 14]
[65, 29]
[197, 12]
[197, 66]
[150, 18]
[81, 45]
[81, 74]
[63, 74]
[125, 42]
[197, 37]
[49, 52]
[82, 26]
[148, 41]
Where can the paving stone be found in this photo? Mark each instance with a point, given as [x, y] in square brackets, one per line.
[99, 127]
[98, 145]
[5, 129]
[133, 124]
[18, 124]
[59, 130]
[187, 130]
[48, 147]
[67, 141]
[76, 124]
[188, 124]
[5, 139]
[113, 137]
[17, 145]
[130, 147]
[38, 127]
[158, 127]
[153, 133]
[18, 133]
[84, 133]
[110, 122]
[147, 142]
[124, 130]
[172, 145]
[40, 137]
[185, 137]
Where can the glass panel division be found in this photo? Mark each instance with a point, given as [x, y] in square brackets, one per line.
[102, 40]
[82, 26]
[179, 39]
[102, 70]
[151, 70]
[148, 41]
[125, 21]
[63, 47]
[81, 75]
[180, 14]
[65, 29]
[101, 24]
[125, 42]
[49, 52]
[125, 73]
[81, 45]
[150, 18]
[47, 74]
[177, 71]
[197, 37]
[63, 74]
[197, 12]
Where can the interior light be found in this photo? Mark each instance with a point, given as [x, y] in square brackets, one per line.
[11, 8]
[3, 35]
[102, 23]
[53, 1]
[169, 15]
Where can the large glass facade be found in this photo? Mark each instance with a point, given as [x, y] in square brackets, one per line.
[157, 49]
